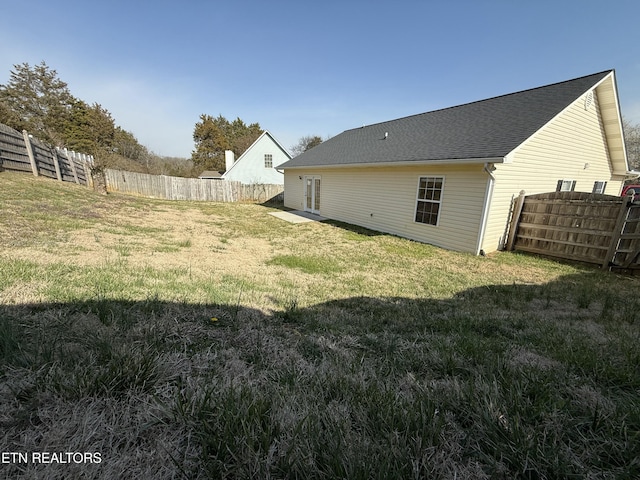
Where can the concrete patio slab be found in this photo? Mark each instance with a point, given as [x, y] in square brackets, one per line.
[298, 216]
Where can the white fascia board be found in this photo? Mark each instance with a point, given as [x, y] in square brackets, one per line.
[622, 145]
[457, 161]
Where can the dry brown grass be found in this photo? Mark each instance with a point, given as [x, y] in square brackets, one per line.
[187, 340]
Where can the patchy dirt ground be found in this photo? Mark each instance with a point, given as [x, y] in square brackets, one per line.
[162, 239]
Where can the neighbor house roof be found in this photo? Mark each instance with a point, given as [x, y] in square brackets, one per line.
[210, 174]
[486, 129]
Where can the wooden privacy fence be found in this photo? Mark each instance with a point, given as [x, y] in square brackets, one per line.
[22, 153]
[200, 189]
[586, 227]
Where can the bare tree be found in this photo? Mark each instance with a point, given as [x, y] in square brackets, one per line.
[632, 142]
[305, 143]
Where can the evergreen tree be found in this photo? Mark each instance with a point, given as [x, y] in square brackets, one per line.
[127, 145]
[8, 116]
[212, 136]
[35, 99]
[90, 129]
[240, 135]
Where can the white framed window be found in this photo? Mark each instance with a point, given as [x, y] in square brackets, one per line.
[268, 160]
[429, 200]
[566, 186]
[598, 187]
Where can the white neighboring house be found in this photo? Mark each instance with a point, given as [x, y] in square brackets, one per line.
[257, 165]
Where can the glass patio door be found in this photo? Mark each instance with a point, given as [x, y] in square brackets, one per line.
[312, 194]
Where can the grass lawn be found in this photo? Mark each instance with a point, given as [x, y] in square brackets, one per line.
[199, 340]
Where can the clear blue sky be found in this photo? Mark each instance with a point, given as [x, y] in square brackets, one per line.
[313, 67]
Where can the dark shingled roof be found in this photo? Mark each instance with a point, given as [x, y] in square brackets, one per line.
[480, 130]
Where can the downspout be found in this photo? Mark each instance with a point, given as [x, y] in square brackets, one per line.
[489, 169]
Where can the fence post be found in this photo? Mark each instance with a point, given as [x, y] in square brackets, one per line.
[56, 163]
[70, 159]
[27, 143]
[615, 237]
[88, 164]
[515, 220]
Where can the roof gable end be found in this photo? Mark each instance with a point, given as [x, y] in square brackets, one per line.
[609, 109]
[246, 153]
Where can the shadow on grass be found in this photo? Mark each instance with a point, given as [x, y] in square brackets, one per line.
[502, 381]
[355, 228]
[278, 205]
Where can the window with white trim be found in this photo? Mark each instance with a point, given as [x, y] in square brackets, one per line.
[429, 200]
[598, 187]
[268, 160]
[566, 186]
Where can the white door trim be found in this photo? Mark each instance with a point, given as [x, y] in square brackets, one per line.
[312, 193]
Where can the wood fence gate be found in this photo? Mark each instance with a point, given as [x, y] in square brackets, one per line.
[586, 227]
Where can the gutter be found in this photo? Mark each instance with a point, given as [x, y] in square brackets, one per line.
[405, 163]
[489, 168]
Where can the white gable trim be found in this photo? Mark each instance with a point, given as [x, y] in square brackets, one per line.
[615, 171]
[615, 137]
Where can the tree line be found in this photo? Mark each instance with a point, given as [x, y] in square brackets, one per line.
[36, 100]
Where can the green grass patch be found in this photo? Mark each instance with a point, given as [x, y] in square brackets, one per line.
[306, 264]
[172, 246]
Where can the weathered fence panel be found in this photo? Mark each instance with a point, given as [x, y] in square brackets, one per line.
[587, 227]
[74, 166]
[197, 189]
[13, 151]
[22, 153]
[262, 192]
[44, 157]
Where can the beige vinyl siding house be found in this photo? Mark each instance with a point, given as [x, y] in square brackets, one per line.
[449, 177]
[385, 199]
[572, 147]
